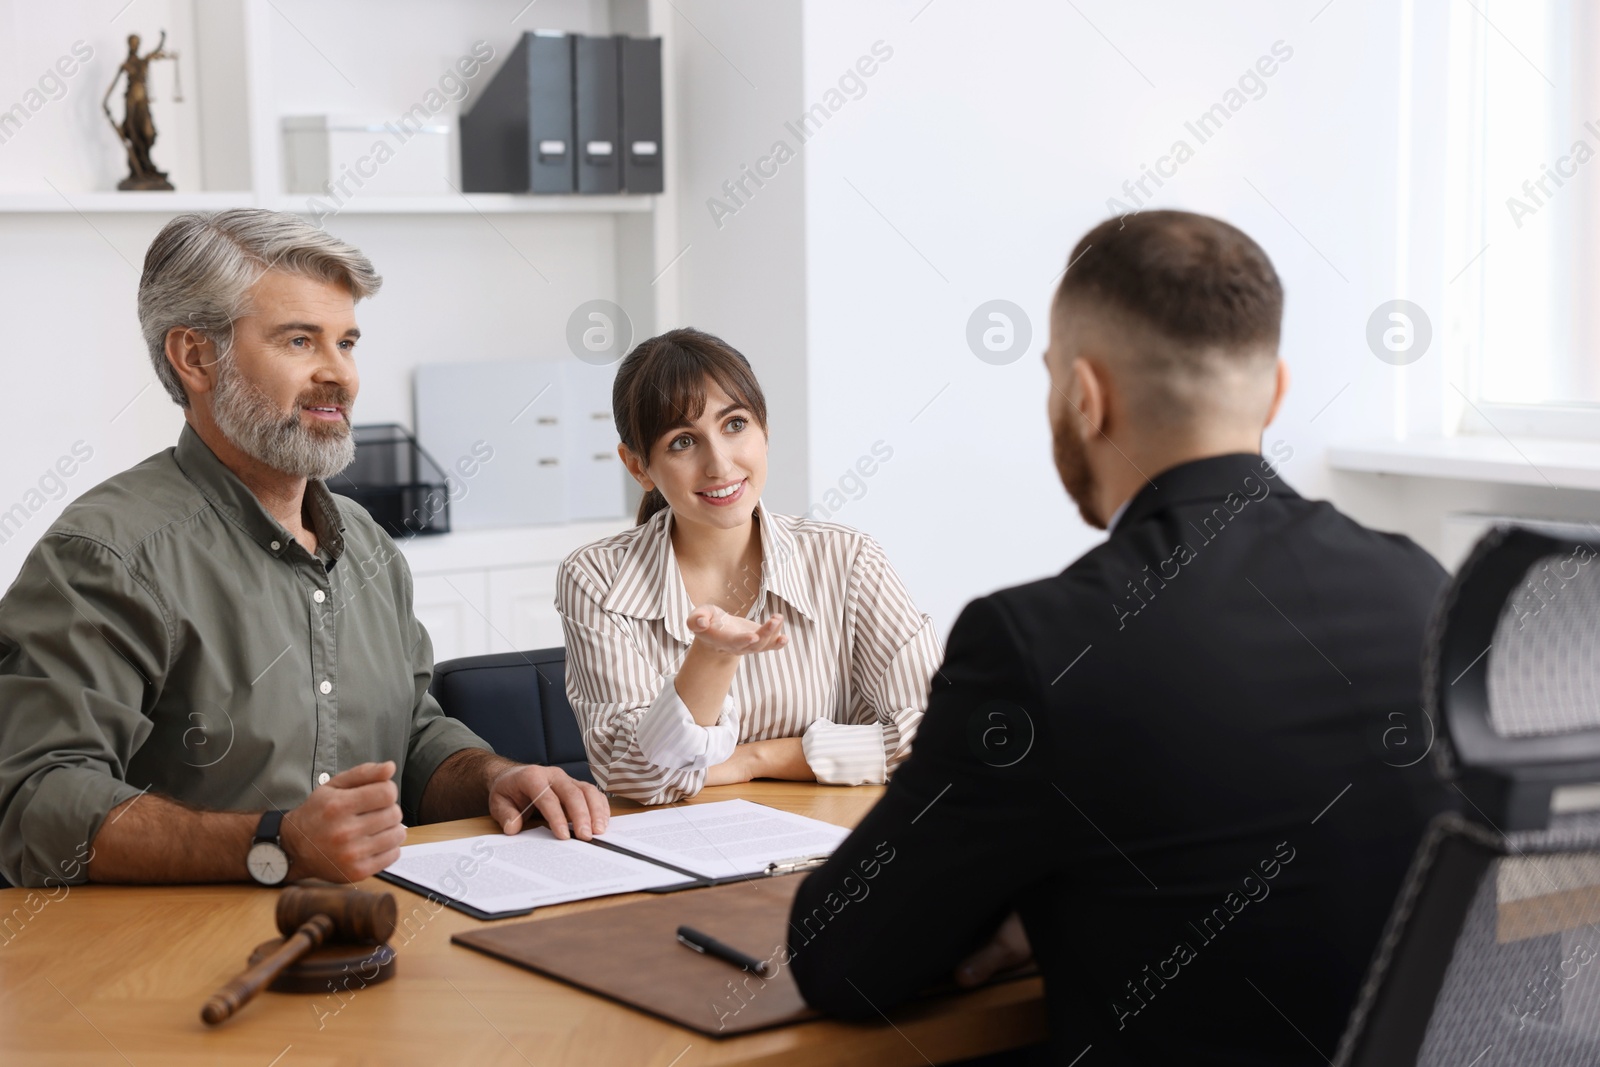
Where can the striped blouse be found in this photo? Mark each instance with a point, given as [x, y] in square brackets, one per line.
[852, 682]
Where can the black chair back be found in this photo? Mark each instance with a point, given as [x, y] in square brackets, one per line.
[1487, 959]
[1513, 674]
[516, 701]
[1492, 953]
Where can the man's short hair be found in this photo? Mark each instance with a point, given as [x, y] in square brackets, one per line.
[199, 270]
[1191, 295]
[1193, 279]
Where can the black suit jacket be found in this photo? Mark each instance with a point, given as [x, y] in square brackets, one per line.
[1191, 761]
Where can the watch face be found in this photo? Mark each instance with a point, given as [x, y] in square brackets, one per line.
[268, 863]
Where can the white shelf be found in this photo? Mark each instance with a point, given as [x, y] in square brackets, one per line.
[176, 202]
[511, 546]
[1544, 462]
[471, 203]
[52, 203]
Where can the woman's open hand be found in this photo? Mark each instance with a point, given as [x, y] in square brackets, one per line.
[720, 639]
[733, 635]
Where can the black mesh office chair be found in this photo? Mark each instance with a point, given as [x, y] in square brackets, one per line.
[516, 701]
[1492, 954]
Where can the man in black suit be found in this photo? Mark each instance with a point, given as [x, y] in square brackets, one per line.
[1191, 761]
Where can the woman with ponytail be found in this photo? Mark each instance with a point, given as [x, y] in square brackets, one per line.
[716, 642]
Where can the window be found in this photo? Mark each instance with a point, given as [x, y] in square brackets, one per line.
[1524, 206]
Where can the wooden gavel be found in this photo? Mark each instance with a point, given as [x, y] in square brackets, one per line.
[308, 917]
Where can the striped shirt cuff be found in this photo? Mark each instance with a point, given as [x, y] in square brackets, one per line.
[842, 754]
[670, 739]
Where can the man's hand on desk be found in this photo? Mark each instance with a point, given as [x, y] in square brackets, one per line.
[558, 796]
[1008, 948]
[349, 828]
[474, 780]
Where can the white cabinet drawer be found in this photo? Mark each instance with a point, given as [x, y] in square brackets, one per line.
[522, 608]
[452, 607]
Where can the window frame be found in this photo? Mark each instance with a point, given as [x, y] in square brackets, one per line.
[1469, 202]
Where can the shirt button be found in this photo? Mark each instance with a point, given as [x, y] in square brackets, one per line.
[319, 596]
[322, 779]
[326, 687]
[276, 546]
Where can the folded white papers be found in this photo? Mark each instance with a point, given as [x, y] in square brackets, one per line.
[496, 873]
[724, 839]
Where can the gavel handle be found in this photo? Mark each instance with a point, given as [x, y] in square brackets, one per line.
[241, 990]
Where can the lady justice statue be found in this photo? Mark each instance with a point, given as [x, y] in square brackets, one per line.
[137, 131]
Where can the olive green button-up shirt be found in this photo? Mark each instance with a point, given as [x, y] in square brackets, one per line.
[168, 634]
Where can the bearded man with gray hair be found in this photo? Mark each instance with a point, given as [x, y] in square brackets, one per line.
[209, 665]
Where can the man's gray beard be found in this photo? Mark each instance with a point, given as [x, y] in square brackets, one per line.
[248, 417]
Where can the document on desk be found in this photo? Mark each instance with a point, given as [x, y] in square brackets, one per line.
[495, 875]
[725, 839]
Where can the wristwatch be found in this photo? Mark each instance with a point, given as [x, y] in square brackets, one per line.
[267, 861]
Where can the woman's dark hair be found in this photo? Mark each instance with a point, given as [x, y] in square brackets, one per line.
[661, 385]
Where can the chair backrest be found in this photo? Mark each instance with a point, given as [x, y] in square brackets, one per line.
[516, 701]
[1513, 674]
[1492, 952]
[1493, 945]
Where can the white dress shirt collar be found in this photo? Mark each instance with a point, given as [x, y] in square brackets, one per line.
[1116, 516]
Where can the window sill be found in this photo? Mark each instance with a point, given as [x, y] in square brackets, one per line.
[1545, 462]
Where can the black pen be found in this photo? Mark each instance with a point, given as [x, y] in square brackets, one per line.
[710, 946]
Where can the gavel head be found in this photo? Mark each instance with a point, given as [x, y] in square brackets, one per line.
[358, 917]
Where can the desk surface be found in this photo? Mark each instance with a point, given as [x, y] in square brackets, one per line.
[117, 974]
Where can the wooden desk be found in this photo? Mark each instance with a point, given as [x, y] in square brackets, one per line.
[117, 974]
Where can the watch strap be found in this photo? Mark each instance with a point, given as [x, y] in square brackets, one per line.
[269, 829]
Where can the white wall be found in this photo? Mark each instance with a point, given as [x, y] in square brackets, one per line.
[743, 274]
[67, 142]
[74, 367]
[986, 147]
[972, 162]
[457, 287]
[991, 142]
